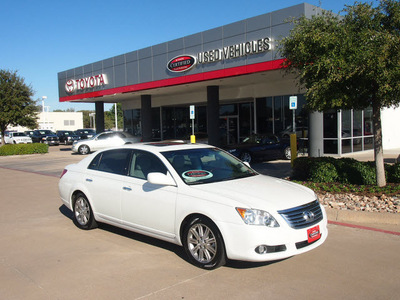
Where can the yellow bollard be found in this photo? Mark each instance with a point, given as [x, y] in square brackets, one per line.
[193, 139]
[293, 147]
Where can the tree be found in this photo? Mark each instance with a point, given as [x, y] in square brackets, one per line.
[349, 62]
[16, 105]
[109, 117]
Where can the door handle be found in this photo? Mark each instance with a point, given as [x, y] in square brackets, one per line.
[126, 188]
[89, 179]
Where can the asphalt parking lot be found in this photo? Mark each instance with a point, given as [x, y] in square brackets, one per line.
[44, 256]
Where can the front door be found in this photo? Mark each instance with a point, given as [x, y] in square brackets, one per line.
[229, 130]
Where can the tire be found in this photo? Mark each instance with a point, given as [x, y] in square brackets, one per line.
[83, 213]
[246, 157]
[84, 149]
[287, 153]
[203, 244]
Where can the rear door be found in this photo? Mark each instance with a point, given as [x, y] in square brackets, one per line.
[105, 179]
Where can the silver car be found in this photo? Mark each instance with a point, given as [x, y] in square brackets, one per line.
[104, 140]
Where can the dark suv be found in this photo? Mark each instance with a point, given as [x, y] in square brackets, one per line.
[45, 136]
[67, 136]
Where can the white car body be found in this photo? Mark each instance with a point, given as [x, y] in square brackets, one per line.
[161, 211]
[104, 140]
[17, 138]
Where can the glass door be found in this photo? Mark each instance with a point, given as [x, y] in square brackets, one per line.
[229, 130]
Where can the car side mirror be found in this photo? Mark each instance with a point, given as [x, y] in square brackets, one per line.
[161, 179]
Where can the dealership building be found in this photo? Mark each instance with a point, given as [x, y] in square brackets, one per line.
[231, 80]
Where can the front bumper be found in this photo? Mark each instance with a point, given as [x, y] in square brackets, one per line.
[242, 241]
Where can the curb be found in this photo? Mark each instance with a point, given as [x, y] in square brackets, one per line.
[344, 216]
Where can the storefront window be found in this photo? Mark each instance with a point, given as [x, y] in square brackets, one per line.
[264, 115]
[279, 120]
[357, 123]
[245, 120]
[155, 121]
[176, 122]
[132, 122]
[368, 121]
[330, 124]
[331, 132]
[356, 131]
[228, 110]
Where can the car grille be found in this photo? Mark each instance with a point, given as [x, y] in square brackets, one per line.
[303, 216]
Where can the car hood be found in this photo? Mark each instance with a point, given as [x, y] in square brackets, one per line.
[259, 192]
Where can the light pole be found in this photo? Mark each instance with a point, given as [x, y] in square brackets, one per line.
[43, 108]
[116, 117]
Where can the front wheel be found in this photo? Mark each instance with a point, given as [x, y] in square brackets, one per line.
[287, 153]
[203, 244]
[84, 149]
[83, 213]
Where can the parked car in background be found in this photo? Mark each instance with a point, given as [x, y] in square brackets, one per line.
[196, 196]
[29, 133]
[17, 138]
[104, 140]
[67, 137]
[85, 133]
[45, 136]
[261, 147]
[301, 132]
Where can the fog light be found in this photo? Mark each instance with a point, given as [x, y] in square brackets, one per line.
[262, 249]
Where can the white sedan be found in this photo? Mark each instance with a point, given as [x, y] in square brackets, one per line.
[104, 140]
[197, 196]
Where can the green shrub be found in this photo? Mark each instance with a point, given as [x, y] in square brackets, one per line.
[301, 168]
[329, 169]
[323, 171]
[21, 149]
[393, 172]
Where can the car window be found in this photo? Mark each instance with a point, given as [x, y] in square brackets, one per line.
[144, 163]
[114, 161]
[95, 162]
[103, 136]
[207, 165]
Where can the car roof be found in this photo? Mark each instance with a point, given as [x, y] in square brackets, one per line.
[164, 146]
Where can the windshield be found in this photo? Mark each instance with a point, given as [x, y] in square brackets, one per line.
[207, 165]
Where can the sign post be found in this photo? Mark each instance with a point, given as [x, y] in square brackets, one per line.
[293, 138]
[192, 117]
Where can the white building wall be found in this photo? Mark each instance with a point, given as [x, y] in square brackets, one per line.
[391, 128]
[56, 121]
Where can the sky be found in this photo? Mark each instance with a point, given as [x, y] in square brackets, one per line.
[41, 38]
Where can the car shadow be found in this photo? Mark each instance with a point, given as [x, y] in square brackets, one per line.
[176, 249]
[133, 235]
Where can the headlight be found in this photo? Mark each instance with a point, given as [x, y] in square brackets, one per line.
[257, 217]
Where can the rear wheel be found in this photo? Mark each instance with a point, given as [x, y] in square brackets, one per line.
[246, 157]
[83, 213]
[203, 244]
[84, 149]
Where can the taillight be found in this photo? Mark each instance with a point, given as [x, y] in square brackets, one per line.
[63, 173]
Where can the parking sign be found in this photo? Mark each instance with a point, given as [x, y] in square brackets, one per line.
[293, 102]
